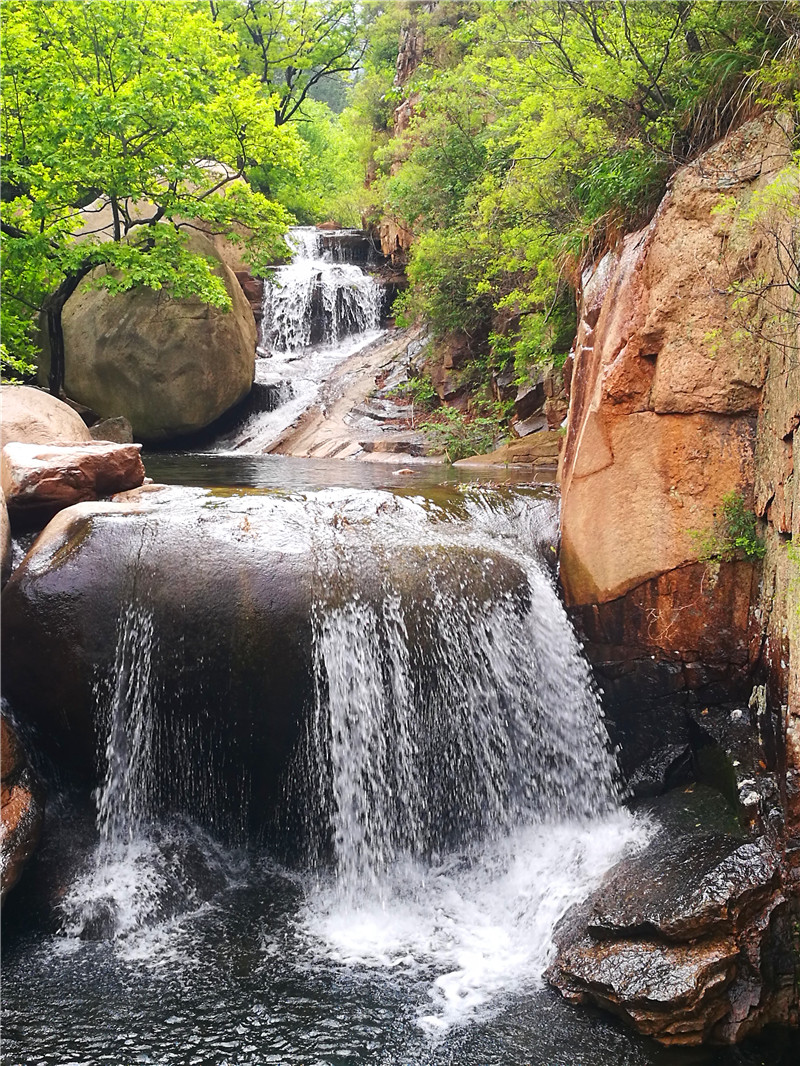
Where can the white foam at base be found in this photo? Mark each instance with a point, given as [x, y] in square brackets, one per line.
[475, 928]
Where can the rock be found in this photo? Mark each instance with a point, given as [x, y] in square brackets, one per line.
[114, 430]
[539, 449]
[530, 425]
[169, 366]
[253, 289]
[229, 583]
[5, 542]
[21, 808]
[39, 480]
[33, 416]
[679, 939]
[664, 398]
[529, 399]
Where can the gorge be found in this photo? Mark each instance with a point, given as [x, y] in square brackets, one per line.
[428, 701]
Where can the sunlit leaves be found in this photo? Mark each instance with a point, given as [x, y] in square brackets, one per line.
[121, 117]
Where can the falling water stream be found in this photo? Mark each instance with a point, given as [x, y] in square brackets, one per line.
[317, 311]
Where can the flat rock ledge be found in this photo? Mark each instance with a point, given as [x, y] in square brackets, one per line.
[688, 940]
[39, 479]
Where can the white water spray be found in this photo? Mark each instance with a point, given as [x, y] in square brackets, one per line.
[317, 311]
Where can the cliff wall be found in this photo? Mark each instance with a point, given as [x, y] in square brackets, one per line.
[686, 390]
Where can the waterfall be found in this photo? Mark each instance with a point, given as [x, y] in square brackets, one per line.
[442, 724]
[125, 705]
[318, 310]
[317, 299]
[452, 793]
[145, 868]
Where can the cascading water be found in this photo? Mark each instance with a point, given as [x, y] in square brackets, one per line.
[317, 298]
[143, 870]
[318, 310]
[455, 792]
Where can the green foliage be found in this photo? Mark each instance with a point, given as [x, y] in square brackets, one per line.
[733, 535]
[540, 130]
[296, 48]
[447, 278]
[125, 126]
[459, 435]
[332, 151]
[419, 390]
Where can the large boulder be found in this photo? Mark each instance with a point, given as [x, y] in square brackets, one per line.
[171, 367]
[38, 480]
[33, 416]
[21, 807]
[211, 599]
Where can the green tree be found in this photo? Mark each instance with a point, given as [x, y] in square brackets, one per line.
[541, 130]
[295, 47]
[126, 125]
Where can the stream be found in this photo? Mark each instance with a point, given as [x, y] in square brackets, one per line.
[390, 898]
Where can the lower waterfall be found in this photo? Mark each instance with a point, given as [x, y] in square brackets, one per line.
[453, 793]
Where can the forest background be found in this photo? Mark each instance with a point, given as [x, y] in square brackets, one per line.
[525, 140]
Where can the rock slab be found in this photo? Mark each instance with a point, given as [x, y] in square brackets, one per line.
[39, 480]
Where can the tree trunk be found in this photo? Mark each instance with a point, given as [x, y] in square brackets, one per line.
[53, 309]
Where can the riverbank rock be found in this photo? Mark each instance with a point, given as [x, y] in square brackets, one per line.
[38, 480]
[113, 430]
[5, 542]
[21, 808]
[169, 366]
[32, 416]
[538, 449]
[665, 397]
[683, 939]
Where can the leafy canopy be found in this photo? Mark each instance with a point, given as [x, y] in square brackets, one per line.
[542, 129]
[127, 124]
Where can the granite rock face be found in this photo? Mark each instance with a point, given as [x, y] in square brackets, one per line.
[676, 402]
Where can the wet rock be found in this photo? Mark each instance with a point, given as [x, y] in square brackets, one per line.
[39, 480]
[253, 289]
[229, 585]
[529, 399]
[534, 424]
[33, 416]
[21, 808]
[116, 430]
[680, 939]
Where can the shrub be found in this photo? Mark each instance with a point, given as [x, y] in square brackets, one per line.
[459, 435]
[732, 536]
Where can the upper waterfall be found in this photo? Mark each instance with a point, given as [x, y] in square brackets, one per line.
[317, 298]
[318, 309]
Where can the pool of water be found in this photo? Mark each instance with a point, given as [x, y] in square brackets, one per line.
[260, 964]
[207, 470]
